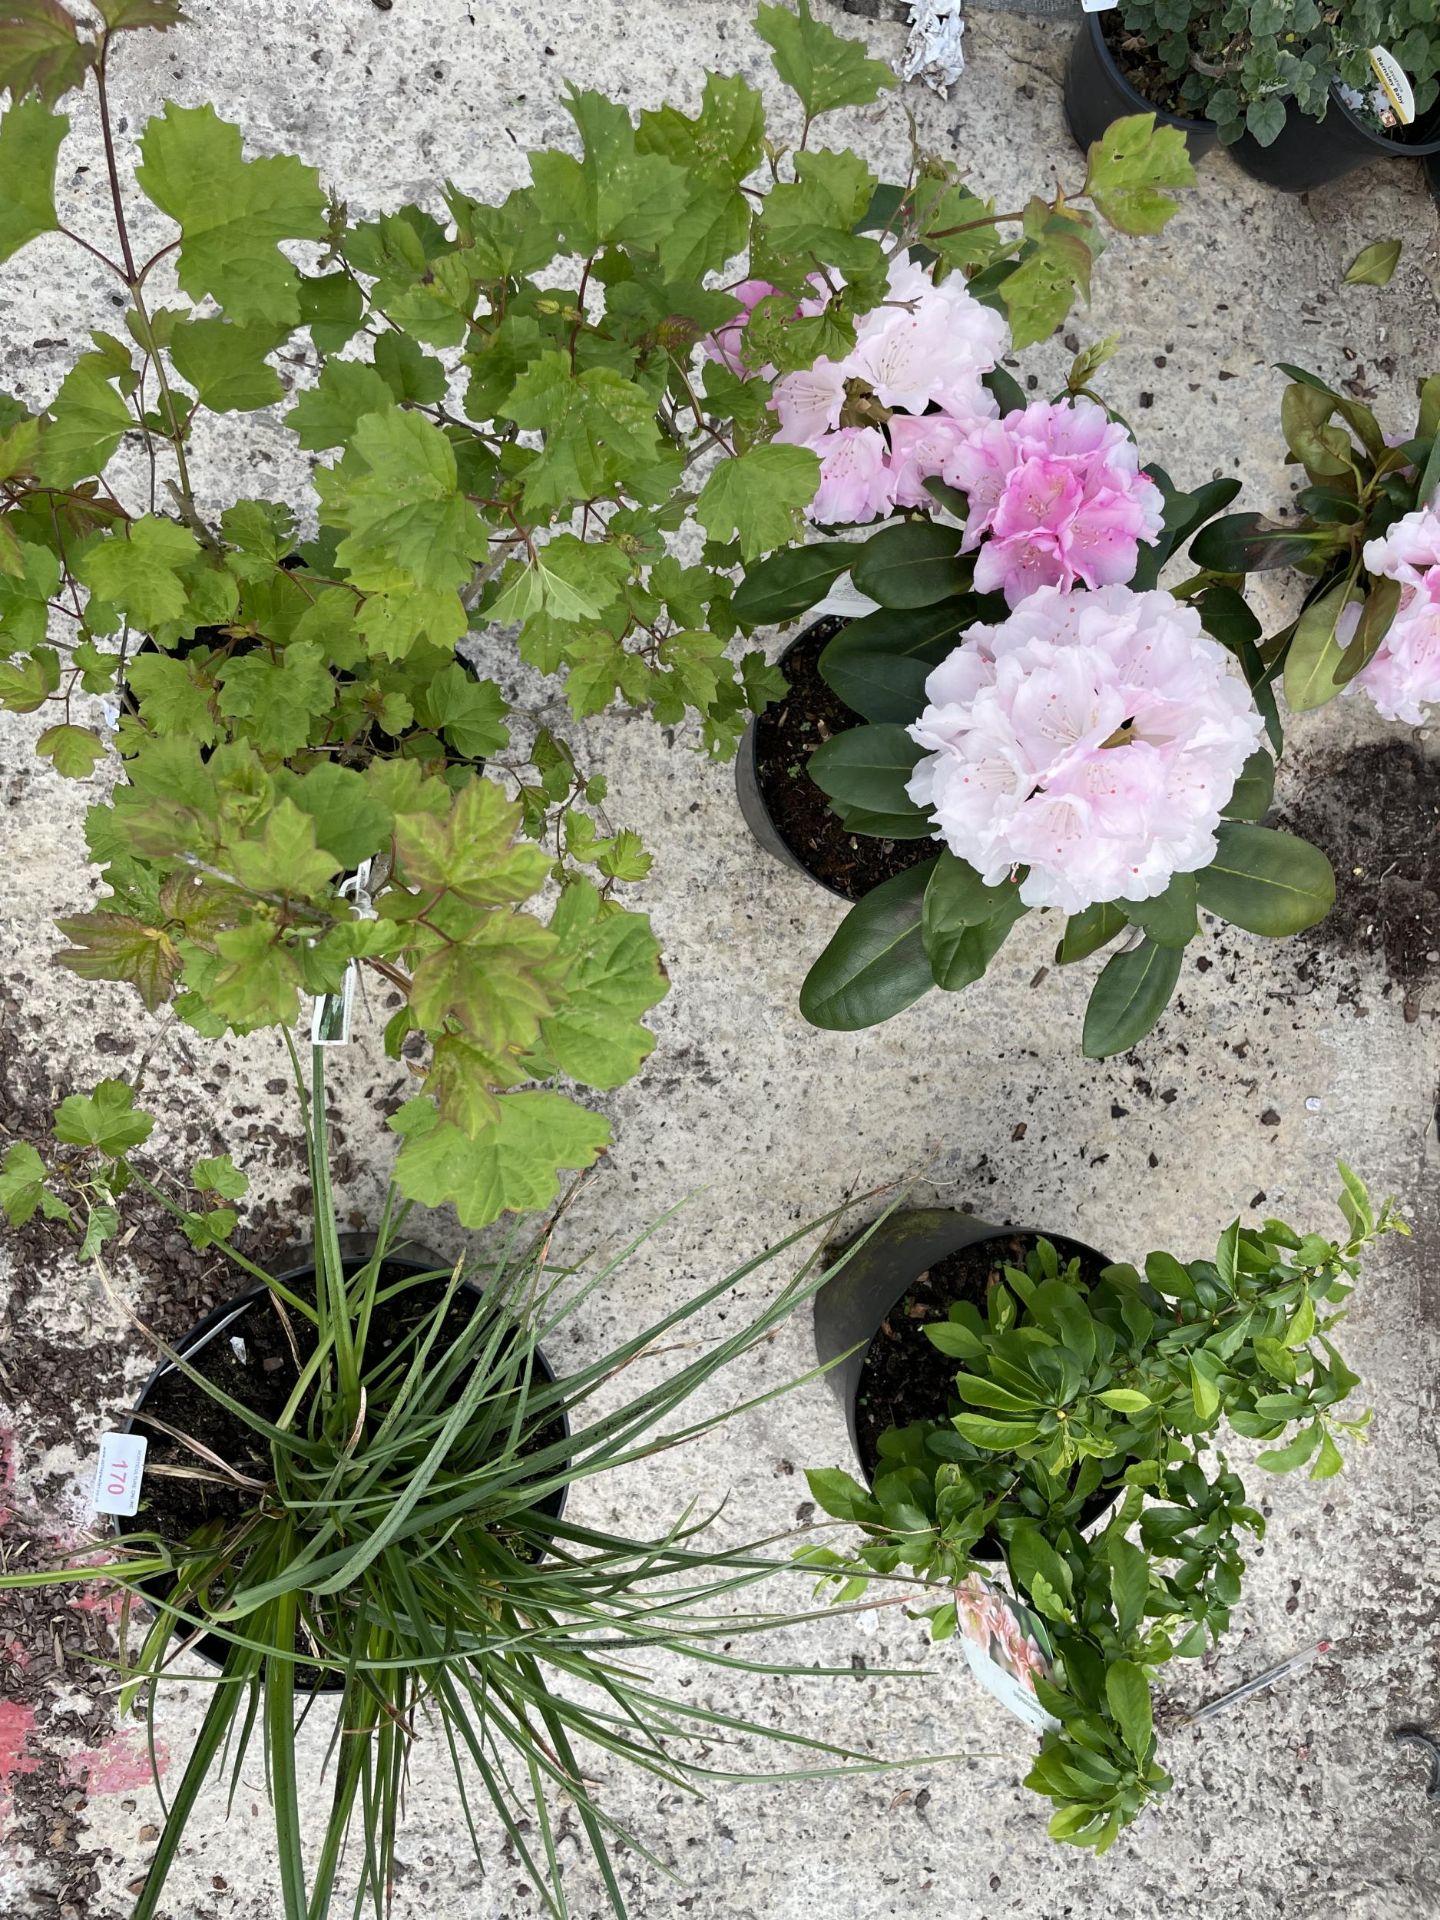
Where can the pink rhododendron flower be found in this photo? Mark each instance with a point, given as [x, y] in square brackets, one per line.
[919, 447]
[927, 347]
[1058, 489]
[1091, 737]
[1404, 675]
[725, 343]
[856, 481]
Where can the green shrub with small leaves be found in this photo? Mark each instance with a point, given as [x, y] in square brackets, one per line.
[1070, 1395]
[1240, 62]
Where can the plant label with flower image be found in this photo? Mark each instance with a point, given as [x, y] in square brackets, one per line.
[1005, 1647]
[118, 1473]
[1395, 84]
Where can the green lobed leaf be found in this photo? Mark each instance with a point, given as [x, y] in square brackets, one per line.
[73, 750]
[40, 51]
[232, 212]
[106, 1118]
[823, 67]
[760, 497]
[30, 137]
[138, 570]
[226, 364]
[614, 976]
[86, 422]
[1130, 164]
[597, 426]
[513, 1167]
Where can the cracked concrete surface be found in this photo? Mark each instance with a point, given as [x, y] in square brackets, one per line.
[1295, 1805]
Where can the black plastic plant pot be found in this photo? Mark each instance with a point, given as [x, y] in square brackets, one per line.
[1097, 92]
[753, 805]
[230, 1320]
[853, 1309]
[811, 839]
[1309, 153]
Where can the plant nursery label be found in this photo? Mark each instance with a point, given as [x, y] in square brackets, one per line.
[118, 1474]
[1098, 6]
[1006, 1646]
[1395, 84]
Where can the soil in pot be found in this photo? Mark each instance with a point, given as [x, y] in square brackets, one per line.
[905, 1377]
[252, 1360]
[786, 734]
[1142, 67]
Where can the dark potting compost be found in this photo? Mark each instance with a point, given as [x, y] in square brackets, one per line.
[786, 734]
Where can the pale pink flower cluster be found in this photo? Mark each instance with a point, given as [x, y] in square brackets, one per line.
[928, 346]
[1059, 491]
[1404, 675]
[1092, 737]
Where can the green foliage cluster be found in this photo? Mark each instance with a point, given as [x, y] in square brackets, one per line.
[1070, 1395]
[505, 444]
[1357, 485]
[937, 924]
[402, 1535]
[1240, 62]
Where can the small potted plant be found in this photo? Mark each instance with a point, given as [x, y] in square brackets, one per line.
[355, 1486]
[1299, 93]
[1024, 1408]
[1368, 538]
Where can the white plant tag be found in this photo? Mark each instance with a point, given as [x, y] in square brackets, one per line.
[118, 1472]
[1098, 6]
[1395, 84]
[1005, 1647]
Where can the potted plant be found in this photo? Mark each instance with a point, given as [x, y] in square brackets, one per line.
[1290, 88]
[885, 419]
[356, 1486]
[1022, 1407]
[1034, 583]
[1368, 538]
[504, 450]
[1115, 69]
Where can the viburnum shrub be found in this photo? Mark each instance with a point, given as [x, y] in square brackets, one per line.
[1369, 535]
[1070, 733]
[1069, 1395]
[1239, 62]
[515, 414]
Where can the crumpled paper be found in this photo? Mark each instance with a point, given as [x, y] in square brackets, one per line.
[933, 53]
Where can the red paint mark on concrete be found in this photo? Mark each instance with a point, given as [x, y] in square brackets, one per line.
[119, 1764]
[16, 1722]
[14, 1654]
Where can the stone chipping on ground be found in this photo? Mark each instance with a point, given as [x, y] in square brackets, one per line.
[1274, 1059]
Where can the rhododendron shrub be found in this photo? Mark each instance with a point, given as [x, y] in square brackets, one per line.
[1368, 536]
[1082, 743]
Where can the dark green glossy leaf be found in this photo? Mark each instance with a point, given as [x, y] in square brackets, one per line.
[876, 964]
[964, 923]
[1254, 790]
[1249, 543]
[789, 582]
[1132, 992]
[1314, 655]
[1169, 919]
[1268, 882]
[867, 767]
[1086, 932]
[914, 564]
